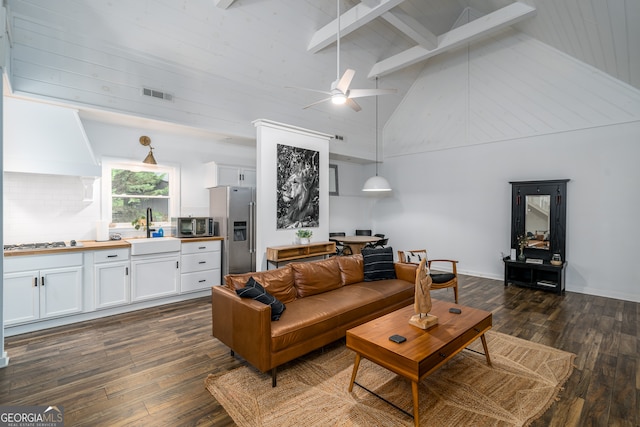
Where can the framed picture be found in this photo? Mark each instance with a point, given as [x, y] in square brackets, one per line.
[298, 190]
[333, 180]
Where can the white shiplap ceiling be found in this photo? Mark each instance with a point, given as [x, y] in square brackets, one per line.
[227, 63]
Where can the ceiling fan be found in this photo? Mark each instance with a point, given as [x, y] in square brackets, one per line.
[340, 92]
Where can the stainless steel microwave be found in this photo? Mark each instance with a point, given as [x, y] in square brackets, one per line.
[194, 226]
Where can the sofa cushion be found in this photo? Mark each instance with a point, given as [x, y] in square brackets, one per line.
[278, 283]
[337, 311]
[378, 264]
[351, 269]
[311, 278]
[254, 290]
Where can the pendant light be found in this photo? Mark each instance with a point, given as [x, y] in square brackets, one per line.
[146, 141]
[376, 183]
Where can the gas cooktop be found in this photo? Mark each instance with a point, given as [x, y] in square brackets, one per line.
[42, 245]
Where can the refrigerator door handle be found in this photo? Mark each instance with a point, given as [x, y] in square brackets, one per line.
[252, 227]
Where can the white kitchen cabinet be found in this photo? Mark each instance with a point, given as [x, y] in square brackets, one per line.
[21, 297]
[42, 287]
[201, 265]
[112, 284]
[220, 174]
[154, 276]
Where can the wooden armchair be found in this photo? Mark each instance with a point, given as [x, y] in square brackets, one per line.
[440, 280]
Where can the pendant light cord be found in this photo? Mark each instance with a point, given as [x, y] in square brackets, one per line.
[376, 128]
[338, 42]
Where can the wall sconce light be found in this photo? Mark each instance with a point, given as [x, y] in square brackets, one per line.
[146, 141]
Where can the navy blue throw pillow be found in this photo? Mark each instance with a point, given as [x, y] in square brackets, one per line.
[378, 264]
[254, 290]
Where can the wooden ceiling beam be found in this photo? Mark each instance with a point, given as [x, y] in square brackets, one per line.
[351, 20]
[487, 24]
[411, 28]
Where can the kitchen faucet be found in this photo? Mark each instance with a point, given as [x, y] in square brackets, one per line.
[149, 219]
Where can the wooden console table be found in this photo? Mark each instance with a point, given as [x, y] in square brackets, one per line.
[540, 276]
[278, 254]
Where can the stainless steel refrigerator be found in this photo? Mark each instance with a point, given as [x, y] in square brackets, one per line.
[234, 209]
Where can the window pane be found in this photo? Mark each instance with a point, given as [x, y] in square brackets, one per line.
[139, 183]
[126, 209]
[135, 191]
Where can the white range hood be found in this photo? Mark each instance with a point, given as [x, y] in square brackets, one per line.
[46, 139]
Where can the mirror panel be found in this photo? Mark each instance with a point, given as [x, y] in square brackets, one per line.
[536, 221]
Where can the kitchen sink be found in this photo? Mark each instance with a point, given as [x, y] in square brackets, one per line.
[154, 245]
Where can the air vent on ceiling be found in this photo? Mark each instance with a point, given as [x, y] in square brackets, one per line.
[157, 94]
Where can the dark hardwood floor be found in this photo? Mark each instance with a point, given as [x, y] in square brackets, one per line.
[148, 368]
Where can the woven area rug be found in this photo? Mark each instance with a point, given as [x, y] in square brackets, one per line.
[522, 384]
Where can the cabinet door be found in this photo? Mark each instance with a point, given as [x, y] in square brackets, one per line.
[60, 291]
[248, 177]
[154, 277]
[228, 175]
[21, 296]
[112, 285]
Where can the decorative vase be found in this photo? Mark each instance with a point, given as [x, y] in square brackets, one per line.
[521, 256]
[304, 241]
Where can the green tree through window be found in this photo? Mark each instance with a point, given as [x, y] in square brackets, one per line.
[132, 192]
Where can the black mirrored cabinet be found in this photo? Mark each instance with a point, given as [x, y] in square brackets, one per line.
[538, 234]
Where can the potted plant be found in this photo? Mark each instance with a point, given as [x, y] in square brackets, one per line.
[304, 236]
[139, 223]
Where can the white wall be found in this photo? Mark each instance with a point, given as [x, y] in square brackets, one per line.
[457, 204]
[51, 207]
[512, 109]
[269, 135]
[351, 209]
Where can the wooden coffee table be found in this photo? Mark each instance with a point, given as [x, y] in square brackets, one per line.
[424, 351]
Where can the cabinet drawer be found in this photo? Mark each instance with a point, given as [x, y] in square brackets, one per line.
[39, 262]
[111, 255]
[199, 280]
[198, 247]
[200, 262]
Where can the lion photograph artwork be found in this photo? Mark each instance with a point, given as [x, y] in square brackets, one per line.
[298, 193]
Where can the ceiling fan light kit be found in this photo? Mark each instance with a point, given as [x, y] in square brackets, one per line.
[340, 93]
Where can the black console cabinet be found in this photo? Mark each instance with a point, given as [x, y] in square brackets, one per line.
[539, 213]
[540, 276]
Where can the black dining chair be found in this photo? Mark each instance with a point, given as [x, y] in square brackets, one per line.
[341, 249]
[363, 232]
[379, 244]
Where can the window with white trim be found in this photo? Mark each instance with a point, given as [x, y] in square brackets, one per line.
[130, 188]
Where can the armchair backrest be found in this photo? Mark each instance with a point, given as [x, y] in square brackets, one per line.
[412, 256]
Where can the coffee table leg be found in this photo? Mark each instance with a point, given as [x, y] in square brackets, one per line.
[356, 363]
[486, 349]
[416, 414]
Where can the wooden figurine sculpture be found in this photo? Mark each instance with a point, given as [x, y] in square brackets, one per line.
[422, 301]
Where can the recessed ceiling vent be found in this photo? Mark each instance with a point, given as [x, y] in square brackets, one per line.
[157, 94]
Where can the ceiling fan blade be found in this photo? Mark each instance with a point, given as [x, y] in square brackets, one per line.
[316, 103]
[345, 80]
[353, 104]
[308, 89]
[359, 93]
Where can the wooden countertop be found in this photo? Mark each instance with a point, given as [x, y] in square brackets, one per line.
[92, 245]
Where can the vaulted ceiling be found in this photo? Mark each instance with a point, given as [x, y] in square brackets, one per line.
[225, 63]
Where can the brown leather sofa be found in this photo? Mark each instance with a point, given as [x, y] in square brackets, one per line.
[323, 299]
